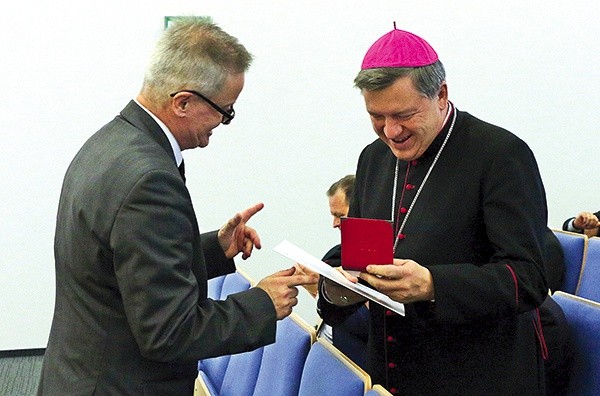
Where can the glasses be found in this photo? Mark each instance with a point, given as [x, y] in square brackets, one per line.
[227, 115]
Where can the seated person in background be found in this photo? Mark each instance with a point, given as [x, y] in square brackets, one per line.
[351, 335]
[585, 223]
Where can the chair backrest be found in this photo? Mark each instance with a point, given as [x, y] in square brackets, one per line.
[583, 318]
[283, 361]
[241, 374]
[213, 370]
[574, 246]
[378, 390]
[328, 372]
[234, 283]
[589, 282]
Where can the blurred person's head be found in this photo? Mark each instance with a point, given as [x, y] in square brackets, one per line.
[339, 194]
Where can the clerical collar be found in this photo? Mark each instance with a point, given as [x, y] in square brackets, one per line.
[174, 145]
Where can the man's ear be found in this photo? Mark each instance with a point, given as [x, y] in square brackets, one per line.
[443, 96]
[180, 103]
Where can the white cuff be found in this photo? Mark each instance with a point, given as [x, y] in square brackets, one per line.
[571, 227]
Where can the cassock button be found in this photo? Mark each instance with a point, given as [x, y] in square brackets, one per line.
[403, 210]
[401, 236]
[409, 186]
[393, 391]
[414, 162]
[392, 365]
[389, 313]
[391, 339]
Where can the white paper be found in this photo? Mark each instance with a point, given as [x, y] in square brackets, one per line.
[300, 256]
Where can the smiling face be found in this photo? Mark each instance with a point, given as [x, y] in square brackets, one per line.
[405, 119]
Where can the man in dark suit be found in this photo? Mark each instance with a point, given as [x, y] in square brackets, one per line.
[349, 336]
[132, 314]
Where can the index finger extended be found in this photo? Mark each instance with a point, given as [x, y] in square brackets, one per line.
[251, 211]
[300, 280]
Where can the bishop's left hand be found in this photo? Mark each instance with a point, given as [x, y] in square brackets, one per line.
[235, 236]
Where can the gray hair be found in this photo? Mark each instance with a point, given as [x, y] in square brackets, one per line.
[193, 53]
[427, 79]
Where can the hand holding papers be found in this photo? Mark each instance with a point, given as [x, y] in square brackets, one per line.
[291, 251]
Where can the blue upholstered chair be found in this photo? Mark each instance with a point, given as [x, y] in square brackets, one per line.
[234, 283]
[212, 370]
[574, 246]
[283, 361]
[241, 374]
[327, 371]
[583, 317]
[229, 375]
[589, 282]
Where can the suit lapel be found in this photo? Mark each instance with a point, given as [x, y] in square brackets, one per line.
[140, 119]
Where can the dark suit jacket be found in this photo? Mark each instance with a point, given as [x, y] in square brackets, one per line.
[351, 335]
[566, 223]
[132, 314]
[479, 226]
[555, 261]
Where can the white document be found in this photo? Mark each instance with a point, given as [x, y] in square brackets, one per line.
[298, 255]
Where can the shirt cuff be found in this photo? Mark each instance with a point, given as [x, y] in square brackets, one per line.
[571, 226]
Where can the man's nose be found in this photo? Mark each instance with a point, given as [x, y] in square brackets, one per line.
[336, 222]
[391, 128]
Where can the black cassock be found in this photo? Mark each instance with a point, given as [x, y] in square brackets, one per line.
[478, 225]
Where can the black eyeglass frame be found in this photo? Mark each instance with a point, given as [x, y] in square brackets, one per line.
[227, 115]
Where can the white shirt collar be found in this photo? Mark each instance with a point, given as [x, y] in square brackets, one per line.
[167, 132]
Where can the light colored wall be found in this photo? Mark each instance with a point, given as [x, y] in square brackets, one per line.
[69, 66]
